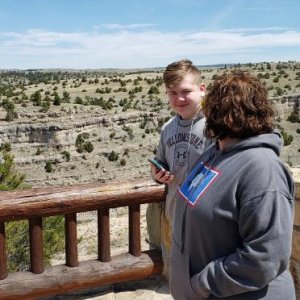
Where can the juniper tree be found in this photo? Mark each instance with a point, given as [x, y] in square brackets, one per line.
[17, 231]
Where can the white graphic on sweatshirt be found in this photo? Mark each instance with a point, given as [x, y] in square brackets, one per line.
[181, 154]
[198, 181]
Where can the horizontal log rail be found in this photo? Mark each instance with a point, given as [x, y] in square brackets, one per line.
[35, 204]
[43, 202]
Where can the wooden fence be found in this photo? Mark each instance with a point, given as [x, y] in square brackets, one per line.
[295, 259]
[35, 204]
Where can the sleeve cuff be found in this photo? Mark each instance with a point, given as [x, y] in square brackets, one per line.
[198, 290]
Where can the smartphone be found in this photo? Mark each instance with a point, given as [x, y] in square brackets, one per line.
[157, 164]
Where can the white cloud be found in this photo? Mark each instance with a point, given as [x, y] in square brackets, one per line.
[126, 27]
[254, 29]
[143, 48]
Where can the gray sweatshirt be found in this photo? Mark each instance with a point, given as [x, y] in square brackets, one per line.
[233, 225]
[181, 143]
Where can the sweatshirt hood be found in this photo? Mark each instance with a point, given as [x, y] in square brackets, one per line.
[188, 122]
[269, 140]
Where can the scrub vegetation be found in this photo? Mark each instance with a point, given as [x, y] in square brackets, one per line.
[66, 127]
[80, 122]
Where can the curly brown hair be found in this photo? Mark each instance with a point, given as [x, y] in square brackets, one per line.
[176, 71]
[237, 106]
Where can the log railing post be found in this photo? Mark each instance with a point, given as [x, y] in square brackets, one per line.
[103, 235]
[3, 256]
[134, 230]
[34, 205]
[71, 240]
[36, 245]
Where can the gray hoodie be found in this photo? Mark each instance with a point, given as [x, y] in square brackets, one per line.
[233, 225]
[181, 143]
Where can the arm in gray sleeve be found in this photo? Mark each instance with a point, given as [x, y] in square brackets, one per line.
[160, 154]
[265, 225]
[161, 149]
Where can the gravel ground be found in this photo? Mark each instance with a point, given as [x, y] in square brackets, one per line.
[155, 288]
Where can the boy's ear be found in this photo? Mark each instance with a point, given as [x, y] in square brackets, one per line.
[202, 89]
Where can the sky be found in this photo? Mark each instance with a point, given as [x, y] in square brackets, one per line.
[94, 34]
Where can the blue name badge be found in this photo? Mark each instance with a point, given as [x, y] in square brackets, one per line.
[197, 182]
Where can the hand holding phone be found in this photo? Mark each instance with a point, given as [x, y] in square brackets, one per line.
[162, 174]
[157, 164]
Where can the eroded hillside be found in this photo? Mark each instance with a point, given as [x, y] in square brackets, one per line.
[70, 127]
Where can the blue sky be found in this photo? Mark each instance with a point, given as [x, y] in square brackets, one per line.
[140, 34]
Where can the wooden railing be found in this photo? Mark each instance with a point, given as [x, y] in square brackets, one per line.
[34, 204]
[295, 258]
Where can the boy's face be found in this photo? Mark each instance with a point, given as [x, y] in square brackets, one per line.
[185, 97]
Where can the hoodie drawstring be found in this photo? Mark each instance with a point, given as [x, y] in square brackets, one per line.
[183, 228]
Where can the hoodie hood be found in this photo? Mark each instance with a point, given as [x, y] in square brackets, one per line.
[188, 122]
[269, 140]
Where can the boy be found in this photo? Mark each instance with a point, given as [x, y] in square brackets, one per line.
[181, 140]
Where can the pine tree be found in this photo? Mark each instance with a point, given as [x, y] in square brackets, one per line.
[17, 231]
[9, 178]
[11, 113]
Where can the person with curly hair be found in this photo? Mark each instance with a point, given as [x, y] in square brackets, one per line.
[234, 213]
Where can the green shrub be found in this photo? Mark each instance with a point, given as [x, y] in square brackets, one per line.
[123, 162]
[18, 242]
[45, 105]
[294, 117]
[88, 146]
[49, 166]
[66, 97]
[9, 178]
[78, 100]
[38, 151]
[11, 113]
[129, 131]
[278, 91]
[287, 138]
[66, 155]
[57, 100]
[113, 156]
[6, 147]
[36, 98]
[82, 144]
[17, 236]
[79, 140]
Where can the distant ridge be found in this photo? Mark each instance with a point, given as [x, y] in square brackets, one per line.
[135, 70]
[216, 66]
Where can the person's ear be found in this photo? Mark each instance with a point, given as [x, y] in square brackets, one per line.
[202, 89]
